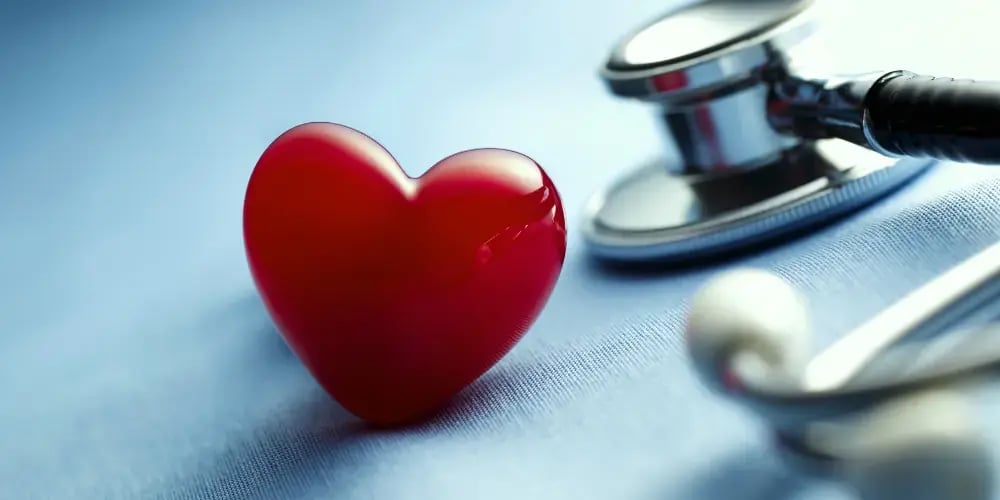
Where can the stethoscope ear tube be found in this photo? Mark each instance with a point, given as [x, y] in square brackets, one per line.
[917, 115]
[747, 353]
[796, 409]
[885, 399]
[896, 113]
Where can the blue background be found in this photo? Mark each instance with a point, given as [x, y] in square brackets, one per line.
[136, 360]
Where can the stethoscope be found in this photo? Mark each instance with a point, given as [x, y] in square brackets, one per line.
[877, 405]
[764, 151]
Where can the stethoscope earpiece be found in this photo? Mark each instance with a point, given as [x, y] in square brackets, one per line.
[881, 407]
[748, 325]
[762, 151]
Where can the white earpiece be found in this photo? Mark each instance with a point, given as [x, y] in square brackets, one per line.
[919, 447]
[748, 323]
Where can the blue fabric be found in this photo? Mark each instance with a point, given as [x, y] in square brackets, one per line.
[136, 360]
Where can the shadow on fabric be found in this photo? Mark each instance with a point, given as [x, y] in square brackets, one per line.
[250, 314]
[748, 474]
[639, 270]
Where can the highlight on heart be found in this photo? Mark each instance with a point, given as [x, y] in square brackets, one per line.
[398, 292]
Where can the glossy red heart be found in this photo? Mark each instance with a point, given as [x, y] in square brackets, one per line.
[397, 292]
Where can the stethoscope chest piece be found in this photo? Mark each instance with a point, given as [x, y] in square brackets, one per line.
[652, 214]
[744, 172]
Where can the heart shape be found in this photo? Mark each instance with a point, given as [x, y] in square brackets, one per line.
[397, 292]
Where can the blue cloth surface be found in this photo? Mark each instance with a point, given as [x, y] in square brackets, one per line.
[136, 360]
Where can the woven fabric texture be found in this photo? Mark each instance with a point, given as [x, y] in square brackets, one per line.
[136, 360]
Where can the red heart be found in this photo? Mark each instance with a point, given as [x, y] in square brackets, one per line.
[397, 292]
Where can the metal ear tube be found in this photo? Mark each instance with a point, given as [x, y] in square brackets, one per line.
[745, 335]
